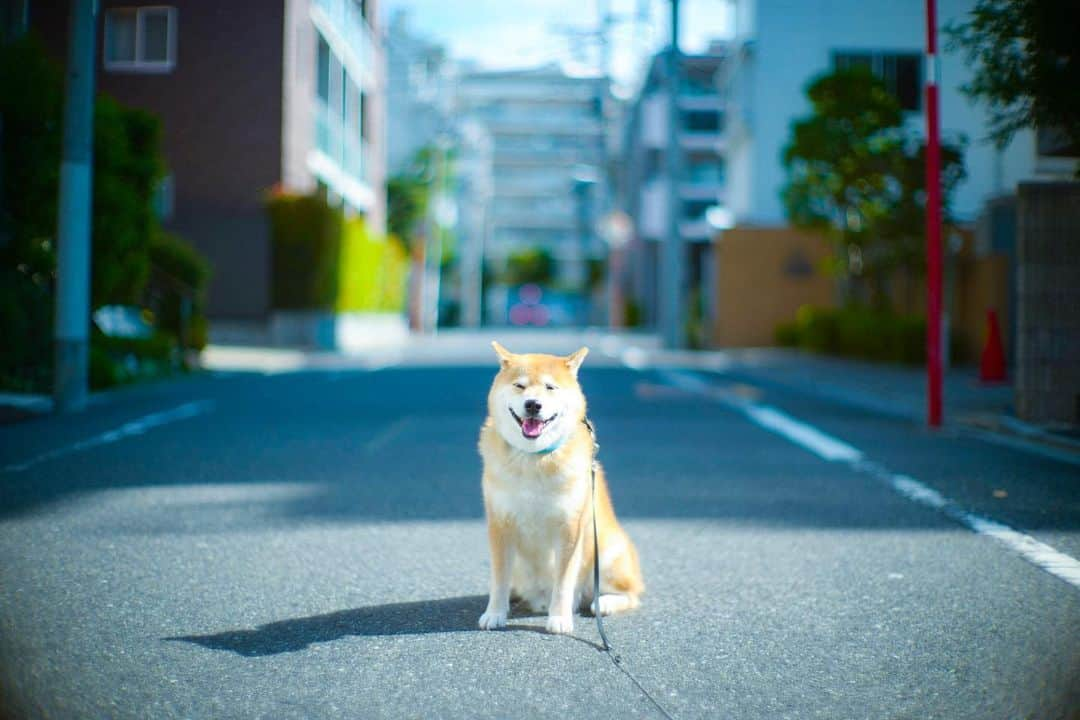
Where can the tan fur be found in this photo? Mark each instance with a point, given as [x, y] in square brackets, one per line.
[539, 505]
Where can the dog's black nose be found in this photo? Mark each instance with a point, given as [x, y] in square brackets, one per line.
[532, 407]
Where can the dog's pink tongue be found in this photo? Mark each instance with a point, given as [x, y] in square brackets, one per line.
[532, 427]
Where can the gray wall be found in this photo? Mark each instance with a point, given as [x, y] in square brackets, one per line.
[1048, 302]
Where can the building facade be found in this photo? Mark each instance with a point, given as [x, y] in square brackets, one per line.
[645, 183]
[545, 134]
[251, 96]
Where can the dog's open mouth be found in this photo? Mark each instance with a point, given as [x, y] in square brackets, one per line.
[531, 427]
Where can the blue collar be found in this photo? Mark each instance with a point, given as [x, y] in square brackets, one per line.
[553, 448]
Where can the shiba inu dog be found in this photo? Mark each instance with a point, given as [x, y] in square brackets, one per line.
[538, 454]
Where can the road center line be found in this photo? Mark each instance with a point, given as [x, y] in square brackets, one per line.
[834, 450]
[131, 428]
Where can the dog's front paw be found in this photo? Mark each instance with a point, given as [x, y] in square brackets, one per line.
[492, 620]
[560, 624]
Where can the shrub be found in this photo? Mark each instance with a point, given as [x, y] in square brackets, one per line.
[856, 331]
[787, 334]
[117, 361]
[372, 271]
[127, 168]
[186, 272]
[26, 326]
[325, 261]
[305, 236]
[534, 265]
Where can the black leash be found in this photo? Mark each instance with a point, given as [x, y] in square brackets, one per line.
[607, 649]
[596, 549]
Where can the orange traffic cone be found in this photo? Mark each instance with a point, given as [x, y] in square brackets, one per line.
[992, 362]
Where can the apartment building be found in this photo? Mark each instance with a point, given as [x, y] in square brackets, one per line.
[252, 95]
[644, 178]
[545, 134]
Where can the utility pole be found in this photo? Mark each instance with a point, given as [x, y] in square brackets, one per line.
[933, 225]
[672, 307]
[72, 326]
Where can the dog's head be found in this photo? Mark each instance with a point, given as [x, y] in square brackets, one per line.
[536, 401]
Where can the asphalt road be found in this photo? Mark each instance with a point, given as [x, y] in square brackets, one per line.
[311, 545]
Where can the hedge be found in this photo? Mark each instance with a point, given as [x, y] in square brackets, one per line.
[182, 265]
[325, 261]
[856, 331]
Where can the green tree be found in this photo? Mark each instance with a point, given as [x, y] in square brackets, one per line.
[1027, 68]
[855, 175]
[406, 206]
[534, 265]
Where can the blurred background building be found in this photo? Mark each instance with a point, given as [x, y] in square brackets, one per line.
[645, 179]
[547, 134]
[252, 96]
[419, 91]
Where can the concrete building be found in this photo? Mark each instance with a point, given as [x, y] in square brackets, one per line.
[251, 95]
[546, 138]
[419, 92]
[644, 180]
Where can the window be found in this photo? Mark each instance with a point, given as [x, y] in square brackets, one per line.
[701, 121]
[901, 73]
[706, 170]
[695, 209]
[164, 198]
[140, 39]
[353, 105]
[364, 105]
[336, 98]
[323, 70]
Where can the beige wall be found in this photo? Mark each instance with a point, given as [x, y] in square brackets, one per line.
[764, 275]
[762, 283]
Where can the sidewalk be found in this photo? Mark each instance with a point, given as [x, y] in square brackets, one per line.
[894, 390]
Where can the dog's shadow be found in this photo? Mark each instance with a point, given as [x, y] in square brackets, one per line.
[448, 615]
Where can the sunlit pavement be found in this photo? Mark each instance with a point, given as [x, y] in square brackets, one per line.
[306, 540]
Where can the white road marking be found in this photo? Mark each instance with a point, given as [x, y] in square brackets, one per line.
[809, 437]
[132, 428]
[1057, 563]
[834, 450]
[824, 446]
[387, 434]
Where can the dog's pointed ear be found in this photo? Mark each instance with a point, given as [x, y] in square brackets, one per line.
[574, 361]
[505, 356]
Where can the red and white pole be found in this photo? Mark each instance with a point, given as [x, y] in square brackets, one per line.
[933, 225]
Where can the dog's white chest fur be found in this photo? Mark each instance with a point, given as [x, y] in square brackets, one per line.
[537, 500]
[539, 506]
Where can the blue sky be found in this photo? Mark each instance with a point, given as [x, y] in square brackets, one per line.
[522, 33]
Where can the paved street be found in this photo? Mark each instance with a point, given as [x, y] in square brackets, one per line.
[311, 544]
